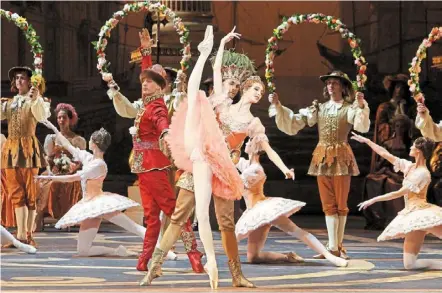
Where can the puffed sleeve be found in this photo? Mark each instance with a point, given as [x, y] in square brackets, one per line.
[402, 165]
[256, 132]
[289, 122]
[81, 155]
[417, 181]
[40, 109]
[428, 128]
[242, 164]
[122, 105]
[359, 117]
[93, 170]
[49, 144]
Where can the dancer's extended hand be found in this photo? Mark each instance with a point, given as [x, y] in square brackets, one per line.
[49, 125]
[366, 204]
[359, 138]
[230, 36]
[205, 47]
[145, 40]
[422, 109]
[290, 174]
[274, 98]
[360, 98]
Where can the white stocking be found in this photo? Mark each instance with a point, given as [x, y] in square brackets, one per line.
[286, 225]
[126, 223]
[7, 237]
[88, 231]
[412, 263]
[332, 223]
[341, 229]
[202, 176]
[313, 242]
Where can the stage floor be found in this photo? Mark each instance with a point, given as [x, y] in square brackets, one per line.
[375, 267]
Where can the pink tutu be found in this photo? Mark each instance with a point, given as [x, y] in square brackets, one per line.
[226, 181]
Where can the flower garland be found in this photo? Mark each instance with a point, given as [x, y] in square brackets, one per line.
[415, 65]
[32, 38]
[333, 24]
[153, 6]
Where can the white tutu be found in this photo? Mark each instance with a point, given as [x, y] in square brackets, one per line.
[265, 212]
[413, 218]
[95, 207]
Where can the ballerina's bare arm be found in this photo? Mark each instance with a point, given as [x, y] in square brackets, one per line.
[375, 147]
[276, 159]
[386, 197]
[217, 76]
[61, 178]
[63, 140]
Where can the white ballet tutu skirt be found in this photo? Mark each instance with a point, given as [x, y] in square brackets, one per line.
[414, 218]
[264, 213]
[89, 208]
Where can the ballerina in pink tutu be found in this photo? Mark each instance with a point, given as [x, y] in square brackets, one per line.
[419, 217]
[263, 212]
[95, 203]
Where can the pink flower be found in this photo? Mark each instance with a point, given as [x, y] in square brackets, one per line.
[426, 43]
[358, 62]
[412, 88]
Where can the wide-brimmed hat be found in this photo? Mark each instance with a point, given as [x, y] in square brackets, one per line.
[14, 70]
[390, 79]
[157, 74]
[340, 75]
[172, 71]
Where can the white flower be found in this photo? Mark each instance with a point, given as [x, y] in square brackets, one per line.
[107, 77]
[37, 61]
[14, 16]
[101, 61]
[140, 4]
[101, 33]
[126, 7]
[57, 161]
[133, 130]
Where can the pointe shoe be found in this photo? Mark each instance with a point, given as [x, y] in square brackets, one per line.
[24, 247]
[339, 262]
[238, 279]
[124, 252]
[212, 271]
[155, 267]
[294, 258]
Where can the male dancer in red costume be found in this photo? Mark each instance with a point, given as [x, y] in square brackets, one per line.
[149, 162]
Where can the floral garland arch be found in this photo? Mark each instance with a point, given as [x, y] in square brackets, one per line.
[144, 6]
[32, 38]
[333, 24]
[415, 65]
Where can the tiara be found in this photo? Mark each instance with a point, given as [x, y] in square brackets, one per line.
[234, 72]
[100, 135]
[251, 80]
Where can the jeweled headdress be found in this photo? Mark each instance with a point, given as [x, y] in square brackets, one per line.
[250, 81]
[235, 66]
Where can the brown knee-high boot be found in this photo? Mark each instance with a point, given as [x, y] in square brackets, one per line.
[230, 245]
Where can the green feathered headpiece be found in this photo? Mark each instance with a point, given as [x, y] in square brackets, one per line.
[235, 65]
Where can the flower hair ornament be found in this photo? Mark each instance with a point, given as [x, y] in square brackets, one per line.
[250, 81]
[235, 66]
[68, 108]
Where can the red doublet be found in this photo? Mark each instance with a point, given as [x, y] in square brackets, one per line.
[151, 122]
